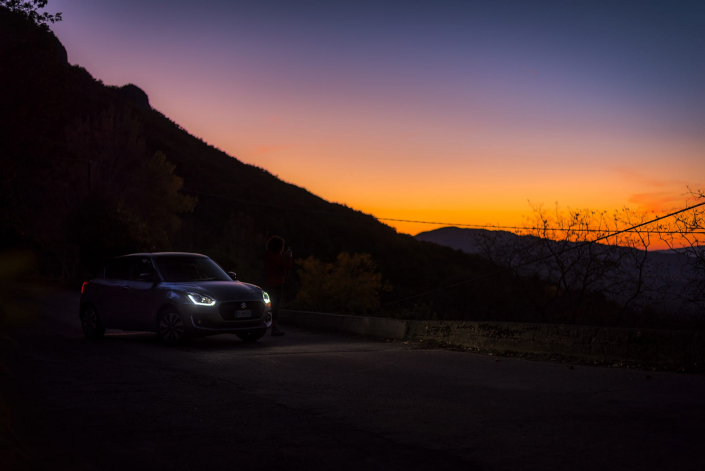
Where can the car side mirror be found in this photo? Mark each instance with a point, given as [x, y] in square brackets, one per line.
[148, 277]
[232, 275]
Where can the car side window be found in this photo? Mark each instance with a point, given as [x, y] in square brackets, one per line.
[143, 266]
[119, 268]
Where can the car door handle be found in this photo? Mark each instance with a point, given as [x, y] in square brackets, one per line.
[126, 288]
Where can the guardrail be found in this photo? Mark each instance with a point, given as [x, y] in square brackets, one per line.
[372, 326]
[672, 348]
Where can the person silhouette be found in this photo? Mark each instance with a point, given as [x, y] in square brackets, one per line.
[276, 262]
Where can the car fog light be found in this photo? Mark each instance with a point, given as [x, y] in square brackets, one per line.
[269, 317]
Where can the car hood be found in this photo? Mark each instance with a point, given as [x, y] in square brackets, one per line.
[221, 290]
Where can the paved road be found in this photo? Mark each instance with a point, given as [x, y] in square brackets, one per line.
[315, 401]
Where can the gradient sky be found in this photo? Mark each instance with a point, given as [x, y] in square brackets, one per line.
[457, 111]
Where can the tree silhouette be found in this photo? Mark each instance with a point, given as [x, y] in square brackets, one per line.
[688, 239]
[558, 246]
[124, 199]
[31, 11]
[351, 284]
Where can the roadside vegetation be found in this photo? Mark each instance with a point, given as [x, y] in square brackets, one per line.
[350, 285]
[598, 274]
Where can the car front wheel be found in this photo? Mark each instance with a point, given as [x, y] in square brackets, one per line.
[251, 335]
[171, 327]
[90, 323]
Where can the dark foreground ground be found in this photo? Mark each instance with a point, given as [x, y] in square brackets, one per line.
[314, 400]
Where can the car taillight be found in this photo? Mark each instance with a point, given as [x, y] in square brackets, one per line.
[83, 286]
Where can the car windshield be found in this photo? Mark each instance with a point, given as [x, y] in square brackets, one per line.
[179, 268]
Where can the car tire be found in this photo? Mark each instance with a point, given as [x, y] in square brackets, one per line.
[251, 335]
[91, 323]
[171, 328]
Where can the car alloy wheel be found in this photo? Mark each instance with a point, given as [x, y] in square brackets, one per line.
[171, 327]
[90, 323]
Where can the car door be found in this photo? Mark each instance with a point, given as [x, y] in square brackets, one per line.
[142, 295]
[113, 304]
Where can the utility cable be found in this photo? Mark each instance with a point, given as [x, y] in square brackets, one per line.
[547, 229]
[447, 224]
[504, 270]
[328, 213]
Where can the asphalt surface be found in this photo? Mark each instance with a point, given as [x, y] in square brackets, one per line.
[321, 400]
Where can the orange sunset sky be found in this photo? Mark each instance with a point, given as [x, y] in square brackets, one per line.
[458, 112]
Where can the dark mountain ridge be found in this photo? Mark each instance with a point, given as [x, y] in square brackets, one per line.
[665, 271]
[470, 241]
[239, 206]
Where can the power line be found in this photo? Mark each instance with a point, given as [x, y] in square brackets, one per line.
[504, 270]
[547, 229]
[448, 224]
[328, 213]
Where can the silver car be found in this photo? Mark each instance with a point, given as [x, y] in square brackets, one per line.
[176, 295]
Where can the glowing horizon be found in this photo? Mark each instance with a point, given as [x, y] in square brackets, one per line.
[452, 112]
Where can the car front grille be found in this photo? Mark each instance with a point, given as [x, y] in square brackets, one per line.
[229, 309]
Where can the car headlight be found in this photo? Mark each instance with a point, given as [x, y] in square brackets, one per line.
[265, 296]
[200, 299]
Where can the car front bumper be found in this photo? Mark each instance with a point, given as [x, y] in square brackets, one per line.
[207, 320]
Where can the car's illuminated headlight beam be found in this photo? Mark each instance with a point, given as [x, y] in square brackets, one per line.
[200, 299]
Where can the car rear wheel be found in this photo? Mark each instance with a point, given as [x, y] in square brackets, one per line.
[90, 323]
[251, 335]
[171, 327]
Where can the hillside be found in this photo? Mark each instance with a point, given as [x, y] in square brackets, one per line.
[467, 240]
[59, 204]
[670, 263]
[660, 275]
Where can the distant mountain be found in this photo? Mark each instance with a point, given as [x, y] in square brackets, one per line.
[467, 240]
[667, 267]
[470, 241]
